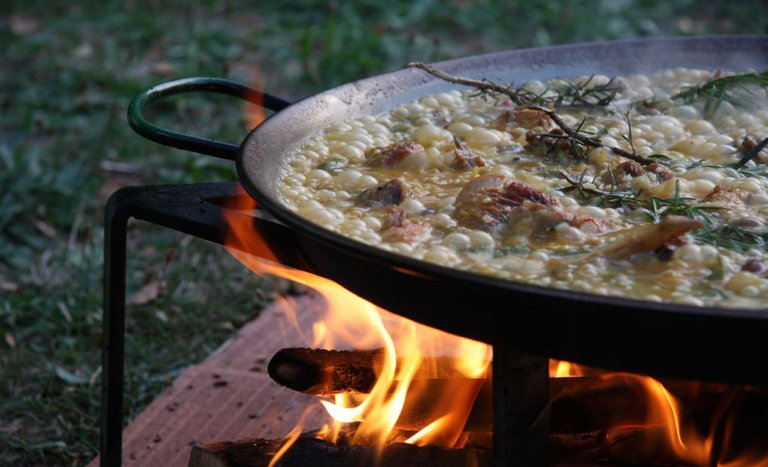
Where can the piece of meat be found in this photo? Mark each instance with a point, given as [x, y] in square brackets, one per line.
[392, 154]
[644, 238]
[749, 143]
[486, 202]
[533, 118]
[729, 197]
[391, 192]
[638, 239]
[546, 217]
[500, 123]
[630, 168]
[663, 173]
[553, 143]
[620, 178]
[465, 158]
[397, 227]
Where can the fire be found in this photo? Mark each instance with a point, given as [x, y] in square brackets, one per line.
[673, 431]
[254, 113]
[408, 369]
[407, 374]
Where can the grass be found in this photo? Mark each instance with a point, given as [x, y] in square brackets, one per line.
[68, 73]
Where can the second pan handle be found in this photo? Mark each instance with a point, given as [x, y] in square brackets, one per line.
[184, 141]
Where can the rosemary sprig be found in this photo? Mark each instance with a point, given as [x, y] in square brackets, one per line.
[678, 205]
[715, 91]
[579, 137]
[752, 153]
[661, 207]
[627, 200]
[628, 137]
[731, 237]
[578, 185]
[589, 192]
[656, 207]
[755, 171]
[584, 94]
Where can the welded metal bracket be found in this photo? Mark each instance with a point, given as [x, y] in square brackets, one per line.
[193, 209]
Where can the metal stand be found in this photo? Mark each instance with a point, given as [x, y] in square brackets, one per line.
[192, 209]
[520, 409]
[520, 382]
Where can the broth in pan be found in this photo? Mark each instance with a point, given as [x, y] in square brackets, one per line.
[644, 186]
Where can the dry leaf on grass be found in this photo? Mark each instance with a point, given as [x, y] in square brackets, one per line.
[24, 25]
[9, 286]
[146, 294]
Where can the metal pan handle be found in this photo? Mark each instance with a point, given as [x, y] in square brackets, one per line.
[179, 140]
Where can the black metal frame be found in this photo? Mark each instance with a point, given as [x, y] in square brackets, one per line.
[192, 209]
[520, 428]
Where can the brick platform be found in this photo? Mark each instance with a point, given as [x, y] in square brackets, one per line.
[228, 396]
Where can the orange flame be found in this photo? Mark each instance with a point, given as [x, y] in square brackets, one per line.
[350, 321]
[253, 112]
[679, 438]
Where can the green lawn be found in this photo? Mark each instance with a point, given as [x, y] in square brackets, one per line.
[67, 75]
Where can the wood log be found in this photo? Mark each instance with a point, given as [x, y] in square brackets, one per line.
[326, 372]
[312, 452]
[578, 404]
[624, 446]
[640, 445]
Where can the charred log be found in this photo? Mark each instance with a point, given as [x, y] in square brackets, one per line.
[327, 372]
[312, 452]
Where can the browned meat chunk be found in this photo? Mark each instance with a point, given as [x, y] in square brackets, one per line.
[553, 143]
[753, 265]
[485, 202]
[391, 192]
[621, 177]
[546, 218]
[631, 168]
[532, 118]
[639, 239]
[644, 238]
[501, 122]
[748, 144]
[663, 173]
[392, 154]
[399, 228]
[465, 158]
[731, 197]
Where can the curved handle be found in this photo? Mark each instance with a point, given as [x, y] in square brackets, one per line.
[179, 140]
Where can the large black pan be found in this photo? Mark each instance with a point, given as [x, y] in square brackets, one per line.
[656, 338]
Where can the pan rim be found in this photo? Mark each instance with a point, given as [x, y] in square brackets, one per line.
[252, 145]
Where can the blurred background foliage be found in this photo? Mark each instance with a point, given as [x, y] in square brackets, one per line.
[68, 72]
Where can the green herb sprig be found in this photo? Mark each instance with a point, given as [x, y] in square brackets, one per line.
[716, 91]
[584, 94]
[731, 237]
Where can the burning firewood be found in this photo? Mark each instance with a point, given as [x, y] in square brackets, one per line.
[326, 372]
[598, 415]
[313, 452]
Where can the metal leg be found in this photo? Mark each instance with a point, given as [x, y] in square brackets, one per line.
[113, 338]
[190, 209]
[520, 409]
